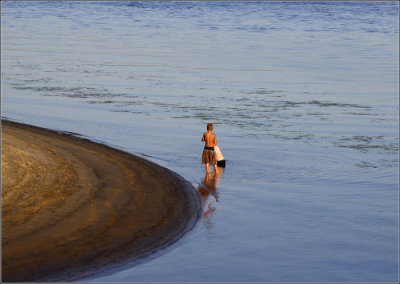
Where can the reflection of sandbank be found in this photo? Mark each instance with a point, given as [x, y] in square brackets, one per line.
[72, 208]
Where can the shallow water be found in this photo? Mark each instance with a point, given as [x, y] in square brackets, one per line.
[304, 97]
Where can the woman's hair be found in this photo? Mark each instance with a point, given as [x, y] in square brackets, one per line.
[210, 126]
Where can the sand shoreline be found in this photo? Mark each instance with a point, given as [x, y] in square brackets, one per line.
[72, 208]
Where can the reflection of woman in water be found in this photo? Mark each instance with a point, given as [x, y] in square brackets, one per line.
[208, 187]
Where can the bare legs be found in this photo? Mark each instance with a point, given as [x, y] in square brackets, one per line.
[208, 168]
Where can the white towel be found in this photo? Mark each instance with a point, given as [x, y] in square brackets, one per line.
[218, 153]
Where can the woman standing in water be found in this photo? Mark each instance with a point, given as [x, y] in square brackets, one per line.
[208, 152]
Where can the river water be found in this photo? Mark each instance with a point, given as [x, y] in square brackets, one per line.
[304, 99]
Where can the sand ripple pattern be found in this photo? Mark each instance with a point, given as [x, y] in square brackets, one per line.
[73, 208]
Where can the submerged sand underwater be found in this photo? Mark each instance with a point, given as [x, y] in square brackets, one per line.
[73, 208]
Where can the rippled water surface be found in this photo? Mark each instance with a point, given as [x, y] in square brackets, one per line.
[304, 97]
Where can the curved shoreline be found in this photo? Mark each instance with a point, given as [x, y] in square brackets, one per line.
[72, 208]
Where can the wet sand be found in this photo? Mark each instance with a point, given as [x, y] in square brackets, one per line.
[72, 208]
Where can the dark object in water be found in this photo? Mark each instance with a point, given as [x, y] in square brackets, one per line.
[221, 163]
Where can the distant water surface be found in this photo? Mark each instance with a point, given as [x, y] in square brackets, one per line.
[304, 97]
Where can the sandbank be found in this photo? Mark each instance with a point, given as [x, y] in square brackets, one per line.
[72, 208]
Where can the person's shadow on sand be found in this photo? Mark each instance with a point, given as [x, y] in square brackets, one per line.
[207, 187]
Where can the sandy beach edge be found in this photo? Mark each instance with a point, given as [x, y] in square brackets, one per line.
[73, 208]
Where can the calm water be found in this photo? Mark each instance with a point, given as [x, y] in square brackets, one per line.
[304, 97]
